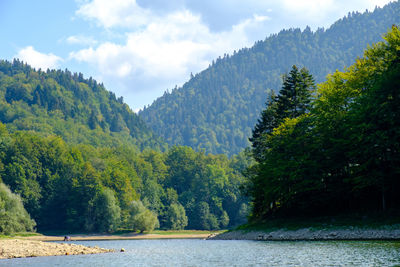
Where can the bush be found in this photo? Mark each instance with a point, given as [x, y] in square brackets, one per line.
[13, 216]
[176, 217]
[141, 218]
[104, 212]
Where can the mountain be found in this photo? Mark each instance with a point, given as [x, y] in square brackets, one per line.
[216, 109]
[80, 159]
[56, 102]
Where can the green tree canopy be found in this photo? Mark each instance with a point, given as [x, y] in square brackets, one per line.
[343, 155]
[13, 216]
[141, 219]
[176, 217]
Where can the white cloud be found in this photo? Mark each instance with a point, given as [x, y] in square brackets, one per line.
[81, 40]
[37, 59]
[325, 12]
[163, 52]
[160, 48]
[109, 14]
[310, 9]
[169, 47]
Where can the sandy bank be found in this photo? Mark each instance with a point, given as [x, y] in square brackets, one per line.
[311, 234]
[17, 248]
[118, 237]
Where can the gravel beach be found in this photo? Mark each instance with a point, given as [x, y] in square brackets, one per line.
[17, 248]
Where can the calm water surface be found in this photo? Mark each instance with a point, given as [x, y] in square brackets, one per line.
[191, 252]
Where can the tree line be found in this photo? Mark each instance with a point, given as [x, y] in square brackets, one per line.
[98, 189]
[218, 107]
[334, 149]
[80, 110]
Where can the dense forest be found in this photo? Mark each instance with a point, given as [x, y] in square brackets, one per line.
[56, 102]
[217, 108]
[80, 187]
[73, 157]
[80, 159]
[334, 150]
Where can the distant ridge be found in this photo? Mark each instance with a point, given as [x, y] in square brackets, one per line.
[57, 102]
[217, 108]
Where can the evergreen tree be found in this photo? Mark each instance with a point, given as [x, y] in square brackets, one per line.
[343, 154]
[265, 125]
[295, 96]
[294, 99]
[217, 108]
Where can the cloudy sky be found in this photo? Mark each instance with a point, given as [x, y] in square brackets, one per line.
[140, 48]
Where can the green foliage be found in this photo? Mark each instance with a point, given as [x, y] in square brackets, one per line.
[13, 217]
[217, 108]
[176, 217]
[294, 99]
[295, 96]
[208, 187]
[343, 155]
[141, 219]
[104, 212]
[68, 187]
[206, 219]
[60, 103]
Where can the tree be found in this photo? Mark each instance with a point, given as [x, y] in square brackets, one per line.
[265, 125]
[343, 154]
[13, 217]
[224, 220]
[205, 219]
[294, 99]
[104, 213]
[141, 219]
[176, 217]
[375, 117]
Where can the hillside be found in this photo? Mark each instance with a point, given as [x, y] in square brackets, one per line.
[341, 156]
[217, 108]
[81, 160]
[60, 103]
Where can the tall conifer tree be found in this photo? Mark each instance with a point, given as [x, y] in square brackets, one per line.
[294, 99]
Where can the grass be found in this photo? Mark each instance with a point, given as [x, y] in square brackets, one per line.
[128, 231]
[170, 232]
[185, 232]
[20, 234]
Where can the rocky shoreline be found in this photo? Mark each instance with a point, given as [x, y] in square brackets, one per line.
[17, 248]
[308, 234]
[129, 236]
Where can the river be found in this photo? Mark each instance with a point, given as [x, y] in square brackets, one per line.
[194, 252]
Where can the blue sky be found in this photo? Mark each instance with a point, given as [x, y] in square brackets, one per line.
[140, 48]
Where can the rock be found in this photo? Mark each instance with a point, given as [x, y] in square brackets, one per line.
[307, 234]
[28, 248]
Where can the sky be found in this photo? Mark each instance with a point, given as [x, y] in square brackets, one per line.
[141, 48]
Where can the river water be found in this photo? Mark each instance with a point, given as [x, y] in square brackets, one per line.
[195, 252]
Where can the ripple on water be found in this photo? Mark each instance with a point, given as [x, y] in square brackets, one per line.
[227, 253]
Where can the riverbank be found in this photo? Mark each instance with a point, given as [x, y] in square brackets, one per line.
[127, 236]
[35, 245]
[309, 234]
[18, 248]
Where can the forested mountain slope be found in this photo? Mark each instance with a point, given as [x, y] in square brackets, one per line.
[79, 110]
[81, 160]
[340, 154]
[85, 188]
[217, 108]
